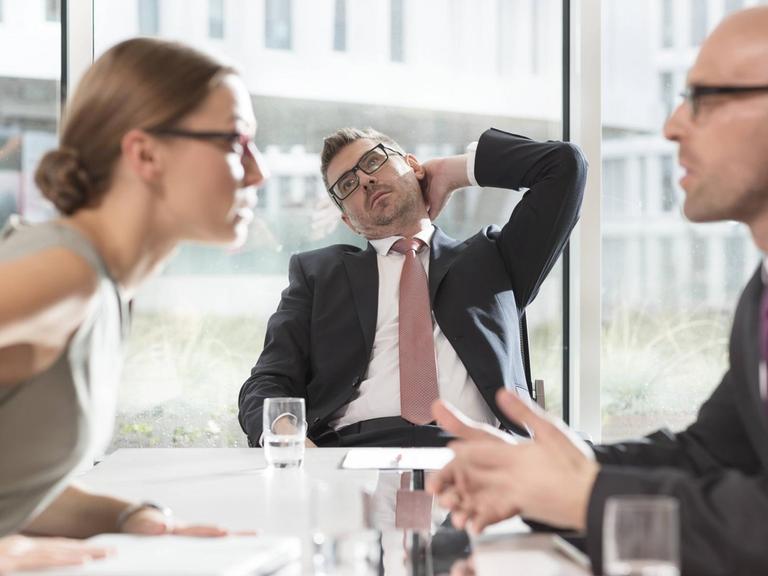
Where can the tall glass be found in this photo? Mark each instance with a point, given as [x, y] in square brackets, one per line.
[285, 429]
[641, 536]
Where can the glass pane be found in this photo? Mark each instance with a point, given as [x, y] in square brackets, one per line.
[669, 286]
[29, 103]
[278, 24]
[340, 26]
[199, 327]
[216, 18]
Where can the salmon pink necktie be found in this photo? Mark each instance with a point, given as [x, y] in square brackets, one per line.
[418, 370]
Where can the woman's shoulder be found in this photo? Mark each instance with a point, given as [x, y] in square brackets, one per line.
[48, 287]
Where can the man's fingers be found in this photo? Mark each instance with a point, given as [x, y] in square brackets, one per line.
[200, 531]
[528, 416]
[451, 419]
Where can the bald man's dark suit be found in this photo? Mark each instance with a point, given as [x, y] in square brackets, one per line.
[717, 468]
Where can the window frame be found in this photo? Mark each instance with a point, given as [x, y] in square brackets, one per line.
[582, 124]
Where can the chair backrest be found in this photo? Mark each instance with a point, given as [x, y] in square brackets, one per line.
[535, 387]
[525, 353]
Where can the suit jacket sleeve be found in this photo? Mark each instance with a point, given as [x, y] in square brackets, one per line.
[555, 174]
[284, 362]
[713, 472]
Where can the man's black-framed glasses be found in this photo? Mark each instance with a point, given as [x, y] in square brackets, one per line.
[240, 144]
[369, 163]
[693, 94]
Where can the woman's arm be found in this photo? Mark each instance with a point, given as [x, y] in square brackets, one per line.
[77, 513]
[44, 299]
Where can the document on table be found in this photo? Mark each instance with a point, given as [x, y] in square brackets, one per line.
[185, 556]
[397, 458]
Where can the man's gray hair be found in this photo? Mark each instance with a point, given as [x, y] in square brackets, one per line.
[335, 142]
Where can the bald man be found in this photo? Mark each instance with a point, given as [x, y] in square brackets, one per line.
[717, 468]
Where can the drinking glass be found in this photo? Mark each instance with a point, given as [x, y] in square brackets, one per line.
[641, 536]
[343, 542]
[285, 428]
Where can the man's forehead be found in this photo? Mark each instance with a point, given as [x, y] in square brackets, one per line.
[735, 53]
[348, 156]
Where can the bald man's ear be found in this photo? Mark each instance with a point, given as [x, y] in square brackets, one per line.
[418, 169]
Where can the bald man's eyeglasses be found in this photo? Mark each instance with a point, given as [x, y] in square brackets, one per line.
[693, 94]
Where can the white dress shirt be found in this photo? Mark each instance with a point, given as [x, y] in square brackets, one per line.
[379, 392]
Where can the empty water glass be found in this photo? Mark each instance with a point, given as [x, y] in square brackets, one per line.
[285, 430]
[641, 536]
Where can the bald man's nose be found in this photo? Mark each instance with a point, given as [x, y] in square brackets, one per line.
[677, 122]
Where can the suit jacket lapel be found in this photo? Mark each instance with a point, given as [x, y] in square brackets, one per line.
[442, 253]
[363, 274]
[751, 349]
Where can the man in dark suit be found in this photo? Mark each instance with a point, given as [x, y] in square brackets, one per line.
[337, 338]
[718, 467]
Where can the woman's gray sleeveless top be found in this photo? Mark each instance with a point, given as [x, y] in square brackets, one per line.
[59, 420]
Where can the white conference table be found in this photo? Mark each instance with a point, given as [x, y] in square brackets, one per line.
[234, 488]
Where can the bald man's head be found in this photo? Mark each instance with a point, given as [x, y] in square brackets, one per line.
[723, 136]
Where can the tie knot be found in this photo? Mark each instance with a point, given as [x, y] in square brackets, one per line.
[405, 245]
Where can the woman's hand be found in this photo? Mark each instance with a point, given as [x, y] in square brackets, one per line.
[153, 522]
[19, 553]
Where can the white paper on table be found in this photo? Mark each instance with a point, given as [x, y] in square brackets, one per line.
[185, 556]
[397, 458]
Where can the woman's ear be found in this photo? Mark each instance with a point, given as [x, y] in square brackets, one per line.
[141, 154]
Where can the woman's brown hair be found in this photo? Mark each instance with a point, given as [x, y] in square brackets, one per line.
[140, 83]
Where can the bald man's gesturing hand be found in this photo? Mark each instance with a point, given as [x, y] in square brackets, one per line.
[547, 479]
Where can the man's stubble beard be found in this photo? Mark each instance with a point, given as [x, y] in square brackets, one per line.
[403, 214]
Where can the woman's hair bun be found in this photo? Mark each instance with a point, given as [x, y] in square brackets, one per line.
[62, 179]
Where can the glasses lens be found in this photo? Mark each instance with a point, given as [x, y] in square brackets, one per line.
[373, 160]
[347, 185]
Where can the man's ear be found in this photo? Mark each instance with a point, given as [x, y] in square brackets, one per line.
[141, 154]
[348, 222]
[416, 166]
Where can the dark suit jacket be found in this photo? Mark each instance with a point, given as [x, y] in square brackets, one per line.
[319, 341]
[717, 468]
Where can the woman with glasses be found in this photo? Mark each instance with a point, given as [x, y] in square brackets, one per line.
[156, 149]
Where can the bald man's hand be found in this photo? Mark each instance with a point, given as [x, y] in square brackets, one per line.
[548, 479]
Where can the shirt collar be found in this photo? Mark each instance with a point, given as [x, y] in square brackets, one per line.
[384, 245]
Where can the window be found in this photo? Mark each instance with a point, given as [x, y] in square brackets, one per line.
[1, 10]
[667, 24]
[535, 23]
[199, 326]
[698, 21]
[216, 18]
[734, 265]
[340, 26]
[642, 184]
[615, 186]
[668, 201]
[29, 105]
[149, 17]
[396, 40]
[667, 312]
[312, 189]
[700, 259]
[733, 5]
[278, 25]
[667, 92]
[53, 10]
